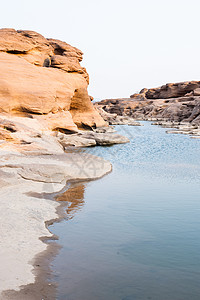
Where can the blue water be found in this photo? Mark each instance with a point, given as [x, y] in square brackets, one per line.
[135, 234]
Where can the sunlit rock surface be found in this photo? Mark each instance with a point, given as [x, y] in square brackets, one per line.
[42, 76]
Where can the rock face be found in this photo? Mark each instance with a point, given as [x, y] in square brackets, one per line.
[43, 78]
[174, 102]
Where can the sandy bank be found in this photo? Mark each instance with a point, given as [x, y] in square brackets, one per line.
[26, 182]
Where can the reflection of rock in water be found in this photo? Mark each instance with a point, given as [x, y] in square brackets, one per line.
[75, 198]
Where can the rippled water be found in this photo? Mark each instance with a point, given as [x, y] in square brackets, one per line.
[134, 234]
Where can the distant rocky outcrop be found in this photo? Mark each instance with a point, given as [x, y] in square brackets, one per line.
[173, 102]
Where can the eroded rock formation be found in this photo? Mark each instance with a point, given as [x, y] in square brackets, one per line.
[174, 102]
[171, 90]
[43, 79]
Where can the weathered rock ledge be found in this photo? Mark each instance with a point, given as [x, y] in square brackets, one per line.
[172, 105]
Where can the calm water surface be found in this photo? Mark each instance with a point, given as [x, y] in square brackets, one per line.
[134, 234]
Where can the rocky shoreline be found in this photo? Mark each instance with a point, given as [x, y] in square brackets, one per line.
[44, 109]
[175, 105]
[34, 165]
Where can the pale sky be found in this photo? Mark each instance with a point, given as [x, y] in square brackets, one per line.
[127, 45]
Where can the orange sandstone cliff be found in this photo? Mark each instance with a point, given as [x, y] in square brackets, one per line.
[43, 79]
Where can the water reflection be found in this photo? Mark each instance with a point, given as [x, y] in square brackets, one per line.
[137, 236]
[74, 197]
